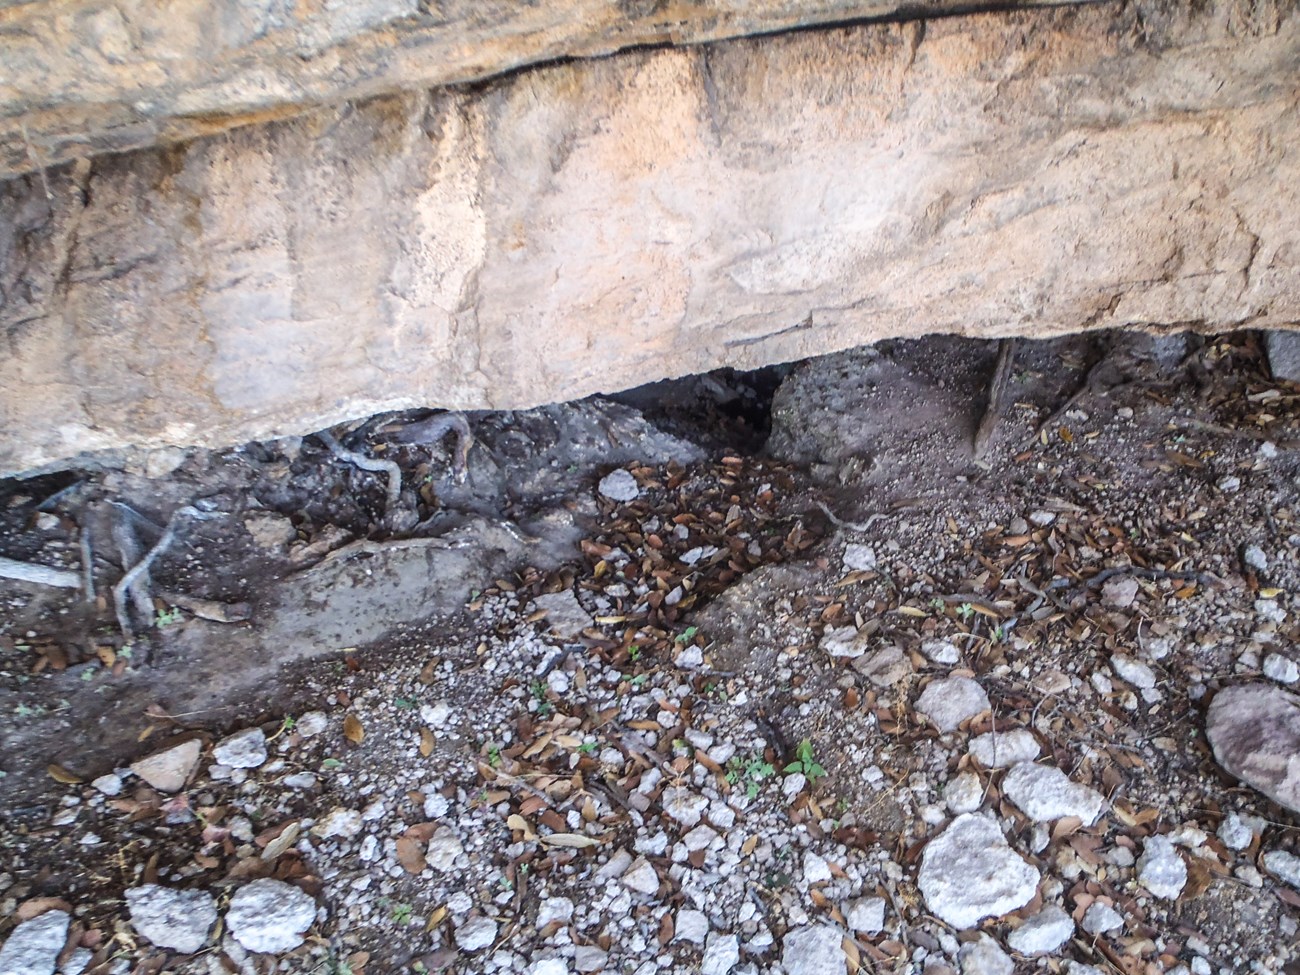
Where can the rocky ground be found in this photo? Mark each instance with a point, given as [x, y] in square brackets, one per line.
[631, 692]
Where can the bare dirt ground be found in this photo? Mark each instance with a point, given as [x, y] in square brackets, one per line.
[649, 690]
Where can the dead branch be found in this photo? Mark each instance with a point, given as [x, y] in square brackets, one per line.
[997, 392]
[41, 575]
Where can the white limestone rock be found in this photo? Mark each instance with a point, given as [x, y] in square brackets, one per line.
[1044, 793]
[969, 872]
[951, 700]
[270, 916]
[177, 919]
[33, 947]
[1003, 749]
[1160, 869]
[1043, 933]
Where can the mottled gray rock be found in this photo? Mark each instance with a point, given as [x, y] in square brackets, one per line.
[169, 769]
[33, 947]
[443, 849]
[590, 958]
[1283, 354]
[244, 749]
[1235, 834]
[859, 558]
[1003, 749]
[1160, 869]
[844, 642]
[1254, 730]
[1282, 669]
[951, 700]
[969, 872]
[815, 949]
[1044, 793]
[270, 916]
[984, 956]
[1045, 931]
[338, 822]
[641, 877]
[965, 793]
[941, 652]
[170, 918]
[1134, 671]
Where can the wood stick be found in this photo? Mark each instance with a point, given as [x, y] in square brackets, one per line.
[41, 575]
[997, 390]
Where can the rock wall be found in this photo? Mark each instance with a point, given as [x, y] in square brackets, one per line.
[594, 225]
[83, 77]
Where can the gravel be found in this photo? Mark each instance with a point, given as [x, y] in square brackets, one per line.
[691, 926]
[1235, 834]
[866, 914]
[476, 934]
[969, 872]
[270, 916]
[721, 955]
[169, 769]
[1285, 866]
[176, 919]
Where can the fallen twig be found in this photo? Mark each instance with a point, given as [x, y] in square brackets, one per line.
[41, 575]
[365, 463]
[87, 565]
[853, 526]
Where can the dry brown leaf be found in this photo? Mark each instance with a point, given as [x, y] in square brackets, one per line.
[410, 854]
[353, 730]
[570, 841]
[59, 774]
[427, 742]
[437, 917]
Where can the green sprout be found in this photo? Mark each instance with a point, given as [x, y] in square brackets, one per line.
[806, 762]
[750, 772]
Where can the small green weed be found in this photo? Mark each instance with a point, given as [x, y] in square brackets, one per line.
[806, 762]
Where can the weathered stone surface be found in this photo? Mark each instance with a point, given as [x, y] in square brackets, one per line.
[593, 225]
[1254, 730]
[970, 872]
[105, 76]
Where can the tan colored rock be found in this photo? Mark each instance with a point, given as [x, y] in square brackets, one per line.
[85, 77]
[594, 225]
[169, 769]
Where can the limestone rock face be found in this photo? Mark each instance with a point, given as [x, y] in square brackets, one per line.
[593, 225]
[92, 76]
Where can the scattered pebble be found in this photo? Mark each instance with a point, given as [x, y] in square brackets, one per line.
[476, 934]
[941, 652]
[1235, 834]
[691, 926]
[1283, 865]
[844, 642]
[866, 914]
[886, 667]
[1282, 669]
[1134, 671]
[721, 955]
[815, 949]
[1160, 869]
[244, 749]
[984, 956]
[859, 558]
[965, 793]
[1004, 748]
[1120, 592]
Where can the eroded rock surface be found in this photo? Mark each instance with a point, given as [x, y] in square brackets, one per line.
[594, 225]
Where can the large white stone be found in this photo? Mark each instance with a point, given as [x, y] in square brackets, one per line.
[33, 947]
[170, 918]
[970, 872]
[816, 949]
[1002, 749]
[1044, 793]
[951, 700]
[270, 916]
